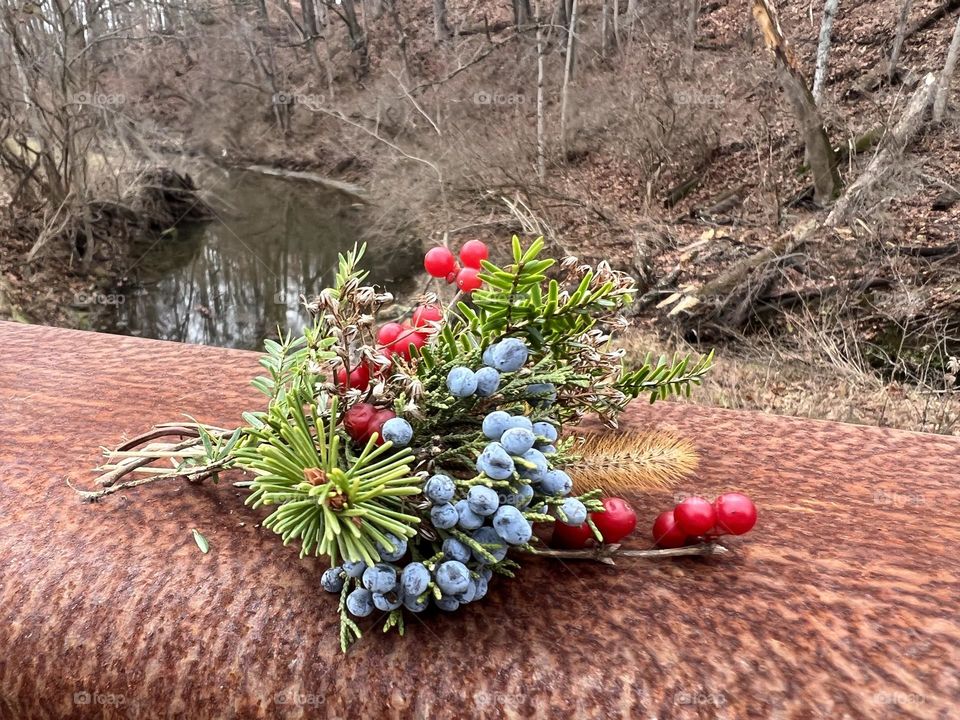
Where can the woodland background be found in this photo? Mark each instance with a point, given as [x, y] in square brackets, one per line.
[782, 178]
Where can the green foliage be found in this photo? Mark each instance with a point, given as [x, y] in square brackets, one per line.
[568, 321]
[515, 299]
[336, 504]
[665, 377]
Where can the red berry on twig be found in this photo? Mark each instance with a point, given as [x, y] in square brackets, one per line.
[472, 252]
[695, 516]
[570, 537]
[357, 419]
[359, 378]
[439, 262]
[467, 279]
[388, 333]
[666, 532]
[736, 513]
[618, 520]
[426, 314]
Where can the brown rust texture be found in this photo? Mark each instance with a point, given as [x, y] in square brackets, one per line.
[843, 602]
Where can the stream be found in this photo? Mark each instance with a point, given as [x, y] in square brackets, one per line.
[232, 281]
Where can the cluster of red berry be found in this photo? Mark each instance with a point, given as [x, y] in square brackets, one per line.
[394, 339]
[441, 263]
[616, 522]
[363, 420]
[695, 519]
[397, 338]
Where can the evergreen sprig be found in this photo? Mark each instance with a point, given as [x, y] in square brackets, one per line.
[335, 504]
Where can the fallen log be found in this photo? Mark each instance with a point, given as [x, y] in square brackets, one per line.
[352, 191]
[892, 147]
[742, 273]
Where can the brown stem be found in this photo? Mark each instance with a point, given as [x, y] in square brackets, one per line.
[111, 477]
[607, 553]
[159, 432]
[195, 475]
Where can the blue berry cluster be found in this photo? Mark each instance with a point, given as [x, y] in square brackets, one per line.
[520, 449]
[452, 578]
[508, 355]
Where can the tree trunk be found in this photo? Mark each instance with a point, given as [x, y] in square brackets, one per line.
[401, 36]
[309, 18]
[567, 75]
[616, 22]
[898, 38]
[521, 12]
[943, 86]
[630, 16]
[541, 140]
[819, 152]
[823, 49]
[441, 29]
[358, 39]
[608, 37]
[693, 14]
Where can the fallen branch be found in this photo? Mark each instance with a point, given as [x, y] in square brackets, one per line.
[891, 148]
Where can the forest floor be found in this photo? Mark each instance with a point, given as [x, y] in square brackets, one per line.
[674, 179]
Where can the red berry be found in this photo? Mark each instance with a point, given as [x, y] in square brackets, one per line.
[426, 314]
[571, 537]
[618, 521]
[666, 532]
[467, 279]
[695, 516]
[389, 332]
[376, 424]
[472, 252]
[736, 513]
[357, 419]
[359, 378]
[401, 346]
[439, 262]
[452, 275]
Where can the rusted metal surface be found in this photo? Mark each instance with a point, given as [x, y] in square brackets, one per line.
[843, 602]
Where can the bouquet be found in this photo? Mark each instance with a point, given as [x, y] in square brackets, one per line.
[423, 459]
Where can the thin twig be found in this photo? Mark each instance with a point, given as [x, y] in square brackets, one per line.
[607, 553]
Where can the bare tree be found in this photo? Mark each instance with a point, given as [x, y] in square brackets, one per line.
[541, 140]
[819, 152]
[521, 12]
[898, 38]
[693, 14]
[943, 85]
[441, 29]
[567, 75]
[630, 17]
[358, 38]
[823, 48]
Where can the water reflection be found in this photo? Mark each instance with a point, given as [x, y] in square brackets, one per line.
[234, 280]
